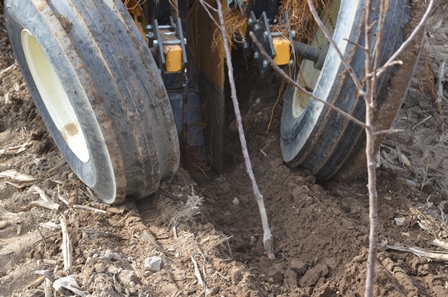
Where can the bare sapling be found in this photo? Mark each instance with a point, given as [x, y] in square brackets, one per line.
[267, 235]
[372, 71]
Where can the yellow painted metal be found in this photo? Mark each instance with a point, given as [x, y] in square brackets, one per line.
[173, 58]
[282, 49]
[137, 15]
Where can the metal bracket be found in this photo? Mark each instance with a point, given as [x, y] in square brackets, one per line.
[172, 34]
[262, 31]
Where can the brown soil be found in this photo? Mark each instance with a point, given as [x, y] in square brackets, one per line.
[207, 231]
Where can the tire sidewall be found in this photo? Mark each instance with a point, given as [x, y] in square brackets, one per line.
[35, 16]
[296, 132]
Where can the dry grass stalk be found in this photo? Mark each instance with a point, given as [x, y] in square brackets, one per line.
[44, 201]
[430, 255]
[440, 243]
[83, 207]
[66, 246]
[440, 97]
[198, 275]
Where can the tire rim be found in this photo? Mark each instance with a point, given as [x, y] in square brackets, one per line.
[308, 75]
[54, 96]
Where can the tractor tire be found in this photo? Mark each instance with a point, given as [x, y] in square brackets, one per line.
[99, 92]
[320, 139]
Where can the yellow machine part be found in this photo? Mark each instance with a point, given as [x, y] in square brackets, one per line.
[134, 9]
[173, 58]
[282, 49]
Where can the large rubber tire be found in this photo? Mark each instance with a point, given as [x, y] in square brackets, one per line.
[98, 91]
[318, 138]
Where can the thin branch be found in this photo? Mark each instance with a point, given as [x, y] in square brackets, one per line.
[267, 235]
[369, 97]
[302, 89]
[206, 7]
[389, 131]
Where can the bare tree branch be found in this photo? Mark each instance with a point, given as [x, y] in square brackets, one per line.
[267, 236]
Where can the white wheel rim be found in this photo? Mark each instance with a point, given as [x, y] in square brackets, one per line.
[308, 75]
[54, 96]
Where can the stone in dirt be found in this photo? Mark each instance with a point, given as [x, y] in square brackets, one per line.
[153, 264]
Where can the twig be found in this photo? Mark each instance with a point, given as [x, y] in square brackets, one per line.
[12, 67]
[66, 246]
[96, 210]
[48, 289]
[369, 98]
[152, 240]
[439, 243]
[421, 122]
[62, 198]
[197, 273]
[439, 88]
[434, 256]
[275, 105]
[389, 131]
[267, 235]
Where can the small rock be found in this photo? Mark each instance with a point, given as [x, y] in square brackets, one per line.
[400, 221]
[410, 183]
[253, 240]
[111, 255]
[236, 201]
[153, 263]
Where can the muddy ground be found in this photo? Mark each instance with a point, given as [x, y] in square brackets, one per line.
[206, 229]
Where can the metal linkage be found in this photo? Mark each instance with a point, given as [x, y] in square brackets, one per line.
[262, 31]
[169, 43]
[168, 47]
[278, 46]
